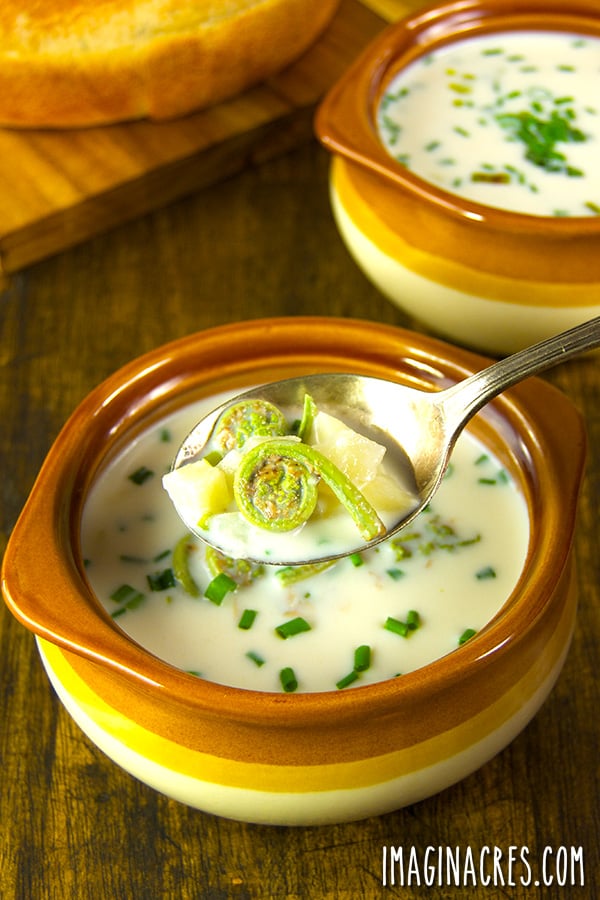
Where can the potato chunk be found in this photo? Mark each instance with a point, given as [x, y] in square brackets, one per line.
[199, 487]
[357, 456]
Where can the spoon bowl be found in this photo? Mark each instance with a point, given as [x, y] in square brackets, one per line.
[419, 429]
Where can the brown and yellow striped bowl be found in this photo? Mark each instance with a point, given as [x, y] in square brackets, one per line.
[298, 758]
[485, 277]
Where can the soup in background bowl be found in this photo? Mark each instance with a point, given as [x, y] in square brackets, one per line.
[464, 178]
[328, 751]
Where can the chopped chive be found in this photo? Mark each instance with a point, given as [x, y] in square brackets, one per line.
[128, 596]
[141, 475]
[413, 620]
[396, 626]
[347, 680]
[467, 634]
[401, 551]
[356, 560]
[165, 435]
[288, 680]
[161, 581]
[362, 658]
[483, 458]
[486, 481]
[129, 558]
[213, 458]
[247, 619]
[162, 555]
[293, 627]
[459, 88]
[118, 612]
[490, 177]
[256, 658]
[395, 573]
[487, 572]
[217, 589]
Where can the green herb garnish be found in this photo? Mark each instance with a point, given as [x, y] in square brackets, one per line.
[256, 658]
[292, 627]
[362, 658]
[396, 626]
[141, 475]
[413, 620]
[247, 619]
[161, 581]
[541, 135]
[467, 634]
[126, 594]
[127, 597]
[288, 680]
[347, 680]
[395, 573]
[219, 587]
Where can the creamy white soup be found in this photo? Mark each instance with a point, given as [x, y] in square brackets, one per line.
[510, 120]
[361, 619]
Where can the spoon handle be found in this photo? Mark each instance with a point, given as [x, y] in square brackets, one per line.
[464, 399]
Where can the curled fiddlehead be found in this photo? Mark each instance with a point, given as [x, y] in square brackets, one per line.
[242, 571]
[248, 418]
[275, 487]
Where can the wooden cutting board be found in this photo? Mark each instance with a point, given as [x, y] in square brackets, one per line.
[58, 188]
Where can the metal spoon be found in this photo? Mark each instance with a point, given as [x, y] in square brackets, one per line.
[418, 428]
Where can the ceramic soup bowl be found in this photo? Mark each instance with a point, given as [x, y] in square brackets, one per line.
[316, 756]
[463, 178]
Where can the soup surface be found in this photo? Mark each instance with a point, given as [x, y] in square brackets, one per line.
[394, 608]
[510, 120]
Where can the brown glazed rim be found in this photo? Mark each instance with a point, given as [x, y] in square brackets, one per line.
[345, 121]
[542, 442]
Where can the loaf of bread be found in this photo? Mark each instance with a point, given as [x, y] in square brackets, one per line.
[73, 63]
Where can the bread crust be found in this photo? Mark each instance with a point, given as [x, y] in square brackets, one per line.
[75, 63]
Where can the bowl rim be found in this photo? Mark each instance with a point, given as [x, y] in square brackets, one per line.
[345, 119]
[51, 516]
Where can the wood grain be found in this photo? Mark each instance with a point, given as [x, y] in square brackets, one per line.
[72, 824]
[61, 187]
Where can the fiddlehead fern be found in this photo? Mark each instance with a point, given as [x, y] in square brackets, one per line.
[275, 487]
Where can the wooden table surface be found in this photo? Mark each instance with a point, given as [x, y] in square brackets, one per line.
[72, 824]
